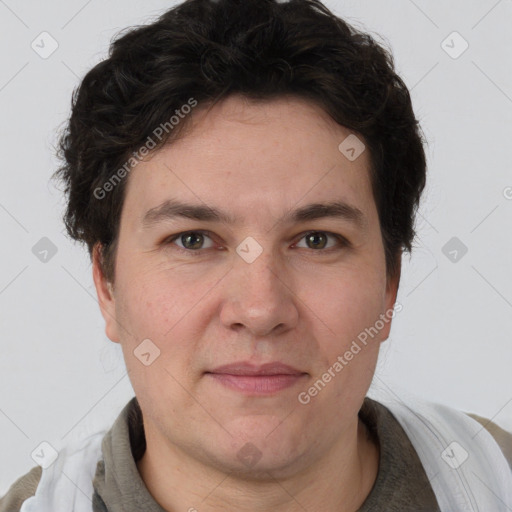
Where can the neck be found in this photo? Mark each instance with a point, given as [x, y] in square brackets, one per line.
[338, 481]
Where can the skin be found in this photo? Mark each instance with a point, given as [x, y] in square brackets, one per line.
[296, 303]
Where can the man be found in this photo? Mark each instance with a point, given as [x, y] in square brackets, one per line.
[245, 175]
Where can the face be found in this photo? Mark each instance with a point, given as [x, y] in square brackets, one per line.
[268, 281]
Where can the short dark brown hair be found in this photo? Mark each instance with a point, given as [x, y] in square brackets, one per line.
[262, 49]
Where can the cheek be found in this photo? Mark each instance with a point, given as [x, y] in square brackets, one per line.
[154, 308]
[346, 303]
[153, 304]
[169, 311]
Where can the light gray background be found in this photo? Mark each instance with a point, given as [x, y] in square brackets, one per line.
[59, 373]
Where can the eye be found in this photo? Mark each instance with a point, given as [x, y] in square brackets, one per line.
[317, 240]
[191, 241]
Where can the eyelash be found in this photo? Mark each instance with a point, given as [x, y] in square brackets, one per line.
[342, 241]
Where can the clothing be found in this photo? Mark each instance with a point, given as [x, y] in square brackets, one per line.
[474, 474]
[402, 483]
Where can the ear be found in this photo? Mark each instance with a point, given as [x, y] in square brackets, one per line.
[105, 292]
[391, 293]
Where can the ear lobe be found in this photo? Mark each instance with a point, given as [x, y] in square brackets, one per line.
[105, 293]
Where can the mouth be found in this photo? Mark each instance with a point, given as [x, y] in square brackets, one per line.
[249, 379]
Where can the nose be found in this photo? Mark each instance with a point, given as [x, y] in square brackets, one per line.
[259, 297]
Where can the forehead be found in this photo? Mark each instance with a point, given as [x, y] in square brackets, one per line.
[247, 157]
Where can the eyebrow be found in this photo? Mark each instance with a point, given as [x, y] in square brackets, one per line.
[172, 208]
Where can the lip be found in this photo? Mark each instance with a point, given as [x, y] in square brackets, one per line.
[263, 379]
[246, 368]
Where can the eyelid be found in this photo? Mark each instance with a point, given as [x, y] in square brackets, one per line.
[342, 241]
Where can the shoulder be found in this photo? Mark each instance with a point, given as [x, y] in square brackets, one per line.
[501, 436]
[87, 443]
[21, 490]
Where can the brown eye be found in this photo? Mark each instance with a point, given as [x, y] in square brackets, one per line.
[191, 241]
[318, 240]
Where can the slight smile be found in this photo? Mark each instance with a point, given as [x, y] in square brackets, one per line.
[257, 380]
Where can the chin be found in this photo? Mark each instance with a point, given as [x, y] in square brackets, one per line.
[249, 463]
